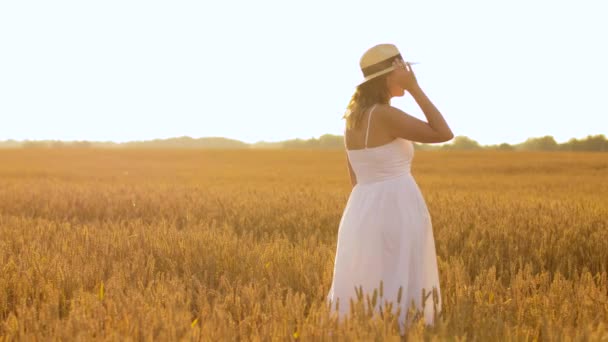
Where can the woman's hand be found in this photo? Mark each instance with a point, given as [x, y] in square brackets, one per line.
[406, 75]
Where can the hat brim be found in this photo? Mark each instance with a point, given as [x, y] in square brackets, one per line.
[379, 73]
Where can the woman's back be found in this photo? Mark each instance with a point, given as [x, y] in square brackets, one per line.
[369, 134]
[388, 160]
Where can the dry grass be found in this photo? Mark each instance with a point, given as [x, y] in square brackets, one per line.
[239, 245]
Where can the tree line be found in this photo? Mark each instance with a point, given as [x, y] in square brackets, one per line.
[545, 143]
[326, 141]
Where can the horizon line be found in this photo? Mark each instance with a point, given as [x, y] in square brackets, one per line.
[280, 141]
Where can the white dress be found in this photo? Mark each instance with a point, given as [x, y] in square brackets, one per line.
[385, 233]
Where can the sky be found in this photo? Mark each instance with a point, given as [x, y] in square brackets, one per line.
[275, 70]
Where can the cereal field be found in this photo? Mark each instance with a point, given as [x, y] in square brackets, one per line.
[239, 245]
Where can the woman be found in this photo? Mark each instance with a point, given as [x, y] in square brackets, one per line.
[385, 237]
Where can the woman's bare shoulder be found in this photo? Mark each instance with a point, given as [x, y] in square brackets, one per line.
[383, 112]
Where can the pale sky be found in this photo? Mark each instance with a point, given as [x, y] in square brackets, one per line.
[275, 70]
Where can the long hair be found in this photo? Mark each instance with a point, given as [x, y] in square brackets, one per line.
[366, 94]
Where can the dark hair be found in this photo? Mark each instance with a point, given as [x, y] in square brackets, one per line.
[366, 95]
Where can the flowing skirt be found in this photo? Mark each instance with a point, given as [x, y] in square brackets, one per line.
[386, 233]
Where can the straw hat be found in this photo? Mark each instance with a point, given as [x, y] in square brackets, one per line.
[378, 60]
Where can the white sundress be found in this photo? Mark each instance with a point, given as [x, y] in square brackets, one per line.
[385, 233]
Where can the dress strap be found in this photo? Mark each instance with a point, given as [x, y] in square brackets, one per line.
[368, 121]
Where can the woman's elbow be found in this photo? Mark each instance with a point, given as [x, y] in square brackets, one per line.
[447, 137]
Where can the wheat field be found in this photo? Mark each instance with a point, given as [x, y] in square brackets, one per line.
[218, 245]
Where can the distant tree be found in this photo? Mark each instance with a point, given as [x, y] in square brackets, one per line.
[499, 147]
[82, 144]
[596, 143]
[10, 143]
[58, 144]
[462, 142]
[326, 141]
[546, 143]
[590, 143]
[34, 144]
[331, 141]
[295, 143]
[266, 145]
[188, 142]
[505, 147]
